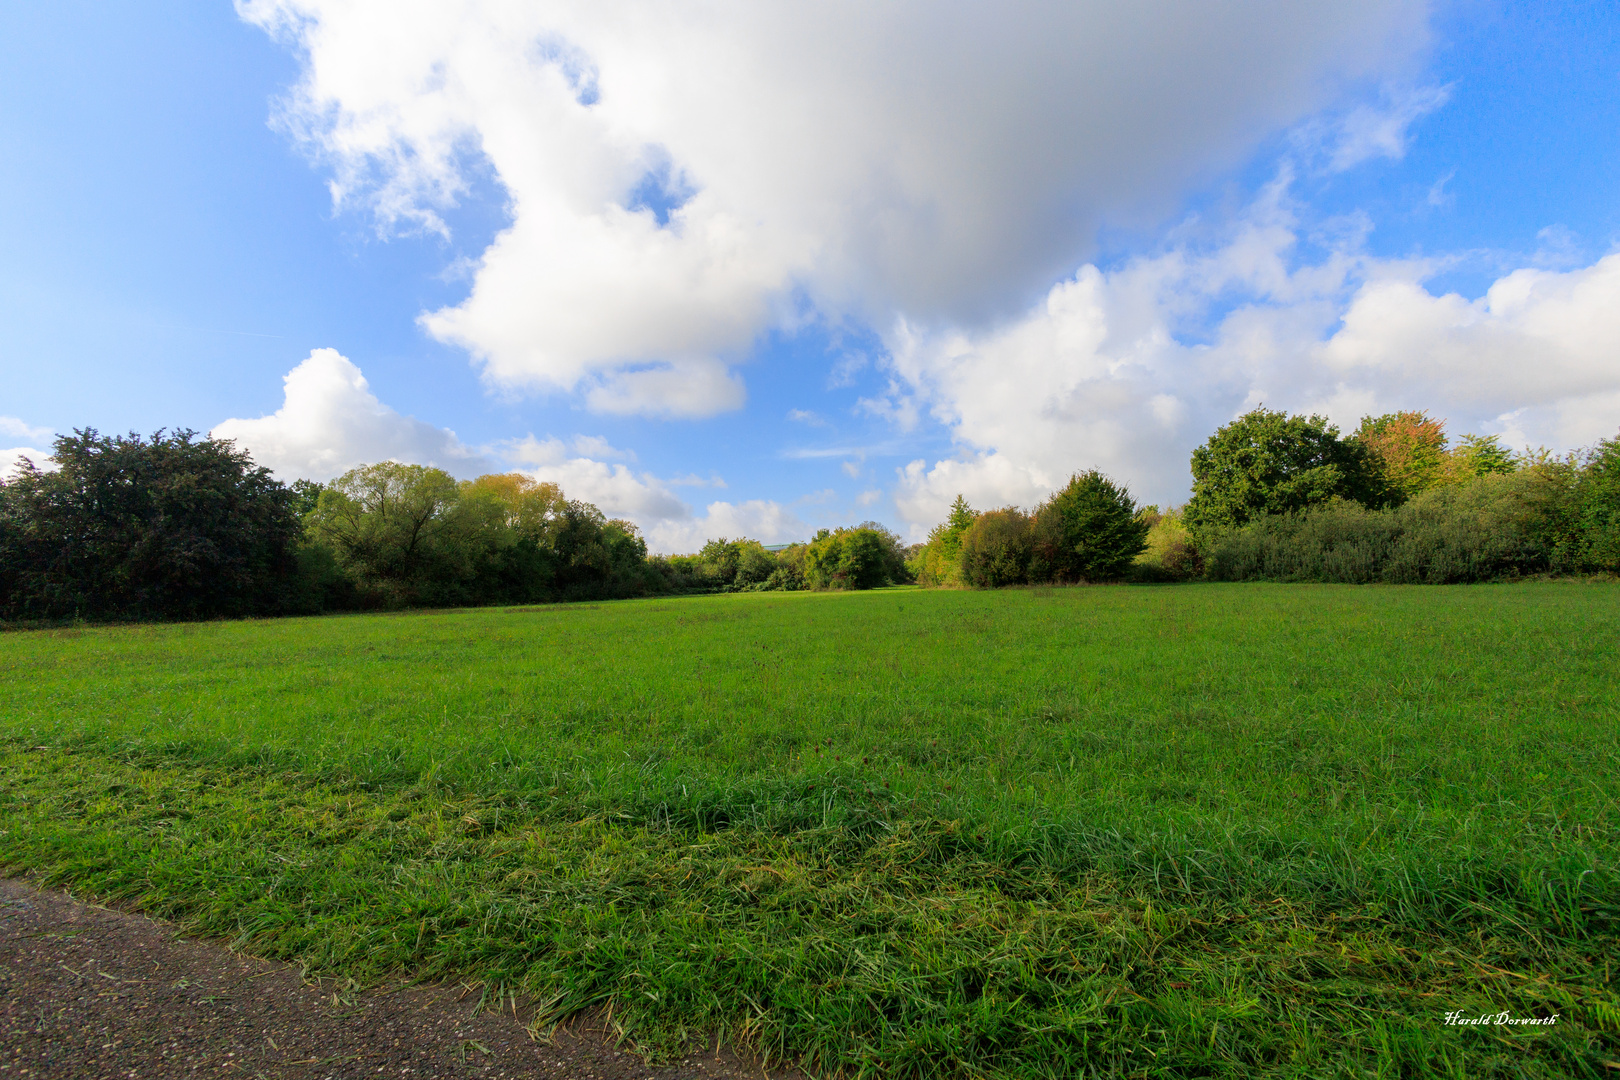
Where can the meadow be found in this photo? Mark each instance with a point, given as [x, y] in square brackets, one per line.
[1193, 830]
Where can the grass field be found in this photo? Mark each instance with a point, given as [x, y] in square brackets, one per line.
[1179, 831]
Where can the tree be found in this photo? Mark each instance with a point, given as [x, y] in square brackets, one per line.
[1409, 452]
[386, 522]
[126, 527]
[1088, 531]
[1599, 489]
[1479, 455]
[737, 563]
[997, 547]
[940, 561]
[1267, 462]
[859, 558]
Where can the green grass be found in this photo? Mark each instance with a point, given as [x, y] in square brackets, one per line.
[1158, 832]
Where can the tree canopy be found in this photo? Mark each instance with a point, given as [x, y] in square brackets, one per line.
[170, 526]
[1087, 531]
[1267, 462]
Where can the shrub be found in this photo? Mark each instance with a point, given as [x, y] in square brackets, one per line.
[1088, 531]
[1482, 531]
[997, 548]
[1600, 507]
[1169, 554]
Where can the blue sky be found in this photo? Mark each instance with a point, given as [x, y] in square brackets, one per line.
[887, 259]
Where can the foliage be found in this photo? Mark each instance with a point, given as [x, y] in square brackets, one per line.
[1169, 554]
[1267, 462]
[939, 562]
[1486, 530]
[1600, 507]
[997, 548]
[1088, 531]
[1202, 831]
[864, 557]
[306, 494]
[737, 564]
[1409, 451]
[1478, 455]
[126, 527]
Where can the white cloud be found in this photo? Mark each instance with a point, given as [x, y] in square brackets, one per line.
[11, 458]
[689, 390]
[941, 162]
[1377, 130]
[1102, 374]
[757, 519]
[598, 447]
[668, 523]
[330, 421]
[18, 429]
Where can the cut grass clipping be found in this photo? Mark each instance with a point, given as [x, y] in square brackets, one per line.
[1190, 831]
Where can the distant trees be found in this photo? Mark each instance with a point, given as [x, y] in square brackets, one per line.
[864, 557]
[939, 562]
[997, 547]
[410, 534]
[1411, 454]
[128, 527]
[1087, 531]
[1267, 462]
[180, 527]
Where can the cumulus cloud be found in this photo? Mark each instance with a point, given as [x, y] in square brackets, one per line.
[330, 421]
[12, 458]
[669, 524]
[681, 175]
[1128, 370]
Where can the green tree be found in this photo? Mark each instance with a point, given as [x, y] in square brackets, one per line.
[388, 522]
[860, 558]
[1475, 456]
[1599, 502]
[306, 494]
[997, 548]
[1267, 462]
[127, 527]
[1088, 531]
[940, 560]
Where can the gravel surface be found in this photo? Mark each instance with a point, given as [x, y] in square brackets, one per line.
[86, 991]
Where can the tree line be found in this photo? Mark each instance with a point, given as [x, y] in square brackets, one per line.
[1288, 498]
[176, 526]
[180, 527]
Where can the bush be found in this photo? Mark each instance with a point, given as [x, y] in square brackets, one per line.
[736, 564]
[1600, 508]
[997, 548]
[1169, 554]
[1482, 531]
[1089, 531]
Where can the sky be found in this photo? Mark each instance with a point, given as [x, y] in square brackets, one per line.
[754, 269]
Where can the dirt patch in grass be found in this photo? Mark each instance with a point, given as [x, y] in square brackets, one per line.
[87, 991]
